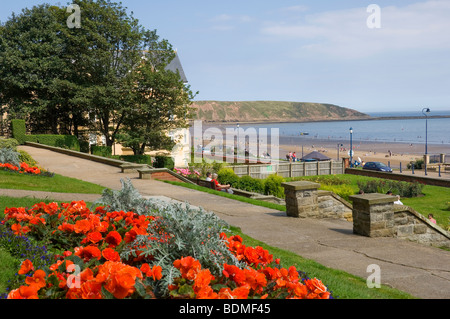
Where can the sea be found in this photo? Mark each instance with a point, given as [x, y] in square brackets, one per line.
[401, 127]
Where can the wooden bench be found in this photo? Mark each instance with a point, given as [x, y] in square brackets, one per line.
[207, 184]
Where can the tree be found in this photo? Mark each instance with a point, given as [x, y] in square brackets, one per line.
[161, 103]
[35, 70]
[60, 78]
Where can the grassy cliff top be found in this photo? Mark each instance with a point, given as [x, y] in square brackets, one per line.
[271, 111]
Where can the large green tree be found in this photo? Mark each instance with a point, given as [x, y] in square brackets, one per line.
[61, 78]
[35, 70]
[161, 103]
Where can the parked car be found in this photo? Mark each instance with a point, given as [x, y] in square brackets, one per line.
[377, 166]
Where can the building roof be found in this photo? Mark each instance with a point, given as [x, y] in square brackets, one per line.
[175, 65]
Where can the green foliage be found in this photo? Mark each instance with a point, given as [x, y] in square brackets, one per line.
[251, 184]
[18, 130]
[272, 186]
[181, 231]
[418, 164]
[138, 159]
[105, 151]
[22, 247]
[62, 141]
[227, 176]
[9, 155]
[26, 158]
[164, 162]
[9, 143]
[404, 189]
[344, 191]
[205, 166]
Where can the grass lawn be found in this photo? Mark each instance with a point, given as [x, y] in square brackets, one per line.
[232, 196]
[8, 267]
[57, 183]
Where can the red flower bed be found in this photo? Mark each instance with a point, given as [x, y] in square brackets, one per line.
[89, 265]
[24, 168]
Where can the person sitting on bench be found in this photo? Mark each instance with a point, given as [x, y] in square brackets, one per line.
[219, 187]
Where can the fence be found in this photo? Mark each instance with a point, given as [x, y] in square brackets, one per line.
[439, 158]
[296, 169]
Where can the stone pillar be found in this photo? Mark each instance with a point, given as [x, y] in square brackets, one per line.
[426, 159]
[301, 199]
[442, 158]
[373, 215]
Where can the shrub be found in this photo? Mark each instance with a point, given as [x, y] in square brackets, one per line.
[404, 189]
[9, 143]
[227, 176]
[251, 184]
[105, 151]
[205, 167]
[139, 159]
[272, 186]
[9, 156]
[164, 162]
[418, 164]
[26, 158]
[19, 130]
[344, 191]
[63, 141]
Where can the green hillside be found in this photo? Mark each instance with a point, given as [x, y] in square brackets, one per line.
[271, 111]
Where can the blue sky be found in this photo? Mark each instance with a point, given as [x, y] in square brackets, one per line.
[306, 51]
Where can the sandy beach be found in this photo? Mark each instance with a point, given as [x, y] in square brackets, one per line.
[366, 151]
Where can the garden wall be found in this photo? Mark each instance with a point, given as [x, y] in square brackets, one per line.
[375, 215]
[305, 200]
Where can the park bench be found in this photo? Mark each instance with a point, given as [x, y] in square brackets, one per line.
[207, 184]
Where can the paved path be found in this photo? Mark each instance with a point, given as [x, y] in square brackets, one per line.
[419, 270]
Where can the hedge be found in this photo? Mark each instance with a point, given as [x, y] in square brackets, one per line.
[105, 151]
[63, 141]
[19, 130]
[164, 162]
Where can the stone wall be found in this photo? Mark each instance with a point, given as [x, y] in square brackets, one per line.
[375, 215]
[305, 200]
[413, 226]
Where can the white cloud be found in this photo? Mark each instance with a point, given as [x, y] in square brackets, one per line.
[226, 22]
[345, 33]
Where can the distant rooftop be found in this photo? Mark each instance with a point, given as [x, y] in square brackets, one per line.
[175, 65]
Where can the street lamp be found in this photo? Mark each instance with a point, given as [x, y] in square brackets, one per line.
[338, 146]
[351, 146]
[424, 112]
[237, 141]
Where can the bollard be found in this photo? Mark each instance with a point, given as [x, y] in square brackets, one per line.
[400, 167]
[426, 170]
[412, 168]
[439, 170]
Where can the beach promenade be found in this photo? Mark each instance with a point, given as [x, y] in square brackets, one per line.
[420, 270]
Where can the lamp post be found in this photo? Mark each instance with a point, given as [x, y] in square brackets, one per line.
[237, 144]
[424, 112]
[338, 148]
[351, 146]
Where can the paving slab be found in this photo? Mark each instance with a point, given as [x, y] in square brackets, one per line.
[423, 271]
